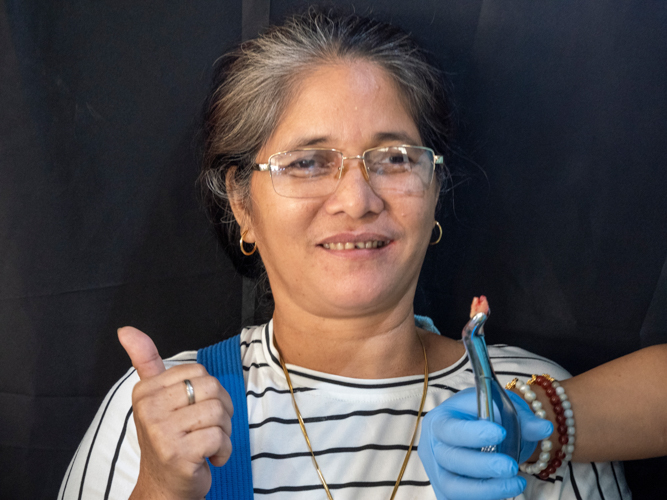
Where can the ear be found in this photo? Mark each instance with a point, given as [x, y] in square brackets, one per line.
[238, 205]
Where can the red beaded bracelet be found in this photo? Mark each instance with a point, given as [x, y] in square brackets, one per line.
[547, 465]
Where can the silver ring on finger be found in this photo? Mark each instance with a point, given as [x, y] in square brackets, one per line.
[191, 392]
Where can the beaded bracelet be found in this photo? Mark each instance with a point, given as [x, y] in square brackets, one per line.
[546, 466]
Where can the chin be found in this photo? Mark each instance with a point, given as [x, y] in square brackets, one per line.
[357, 298]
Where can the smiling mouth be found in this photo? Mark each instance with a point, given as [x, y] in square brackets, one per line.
[359, 245]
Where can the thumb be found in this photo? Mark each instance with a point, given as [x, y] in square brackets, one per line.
[142, 352]
[532, 427]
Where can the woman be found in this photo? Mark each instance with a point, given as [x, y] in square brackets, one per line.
[322, 158]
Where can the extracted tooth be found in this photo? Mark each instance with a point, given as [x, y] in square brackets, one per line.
[375, 244]
[361, 244]
[380, 244]
[349, 246]
[369, 244]
[326, 245]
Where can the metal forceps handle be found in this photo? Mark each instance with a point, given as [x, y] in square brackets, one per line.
[492, 402]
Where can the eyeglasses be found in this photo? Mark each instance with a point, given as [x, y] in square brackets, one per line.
[314, 172]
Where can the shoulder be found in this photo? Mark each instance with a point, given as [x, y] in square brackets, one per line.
[248, 336]
[248, 341]
[517, 362]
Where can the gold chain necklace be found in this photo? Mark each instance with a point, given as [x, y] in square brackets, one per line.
[305, 434]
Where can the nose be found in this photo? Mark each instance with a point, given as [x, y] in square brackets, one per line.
[354, 194]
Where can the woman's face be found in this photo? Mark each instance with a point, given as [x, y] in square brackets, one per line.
[350, 107]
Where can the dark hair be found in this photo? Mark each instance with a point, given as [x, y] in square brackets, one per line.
[255, 82]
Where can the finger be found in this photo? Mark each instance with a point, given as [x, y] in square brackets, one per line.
[177, 374]
[467, 433]
[457, 487]
[211, 443]
[474, 306]
[142, 351]
[209, 413]
[205, 388]
[175, 396]
[167, 390]
[222, 455]
[474, 463]
[484, 305]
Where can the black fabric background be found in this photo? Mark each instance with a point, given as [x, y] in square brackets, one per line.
[561, 219]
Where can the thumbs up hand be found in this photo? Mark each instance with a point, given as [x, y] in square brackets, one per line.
[175, 434]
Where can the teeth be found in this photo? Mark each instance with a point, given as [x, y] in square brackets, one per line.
[349, 245]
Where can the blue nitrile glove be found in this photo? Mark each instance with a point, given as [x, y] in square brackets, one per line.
[449, 448]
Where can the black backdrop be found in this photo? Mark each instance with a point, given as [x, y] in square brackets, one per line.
[561, 217]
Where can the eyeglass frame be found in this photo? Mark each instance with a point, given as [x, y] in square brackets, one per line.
[266, 167]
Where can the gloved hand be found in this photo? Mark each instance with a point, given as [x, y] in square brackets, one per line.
[449, 448]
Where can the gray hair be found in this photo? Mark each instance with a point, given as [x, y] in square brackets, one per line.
[255, 82]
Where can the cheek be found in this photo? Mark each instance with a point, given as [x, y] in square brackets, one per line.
[417, 215]
[273, 216]
[282, 225]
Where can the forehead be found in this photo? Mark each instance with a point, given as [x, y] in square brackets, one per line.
[343, 105]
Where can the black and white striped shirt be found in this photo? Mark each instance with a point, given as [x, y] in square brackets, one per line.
[359, 430]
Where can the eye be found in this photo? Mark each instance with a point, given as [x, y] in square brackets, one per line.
[304, 164]
[311, 163]
[390, 162]
[397, 159]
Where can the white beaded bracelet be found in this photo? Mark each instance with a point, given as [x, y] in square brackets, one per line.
[546, 466]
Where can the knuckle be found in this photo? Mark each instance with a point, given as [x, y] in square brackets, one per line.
[218, 408]
[165, 452]
[138, 391]
[227, 401]
[218, 435]
[210, 385]
[156, 433]
[198, 370]
[142, 408]
[226, 445]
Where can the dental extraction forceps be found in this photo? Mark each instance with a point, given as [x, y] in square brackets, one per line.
[492, 402]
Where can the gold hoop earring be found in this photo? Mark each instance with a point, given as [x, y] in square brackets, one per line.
[241, 242]
[439, 236]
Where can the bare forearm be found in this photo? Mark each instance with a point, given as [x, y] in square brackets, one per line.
[620, 408]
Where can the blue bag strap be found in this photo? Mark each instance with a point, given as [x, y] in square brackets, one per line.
[232, 481]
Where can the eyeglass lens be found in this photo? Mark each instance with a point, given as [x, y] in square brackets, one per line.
[311, 173]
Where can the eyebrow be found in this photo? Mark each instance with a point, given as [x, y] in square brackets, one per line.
[396, 136]
[379, 138]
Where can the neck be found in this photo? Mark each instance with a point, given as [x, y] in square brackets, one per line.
[383, 345]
